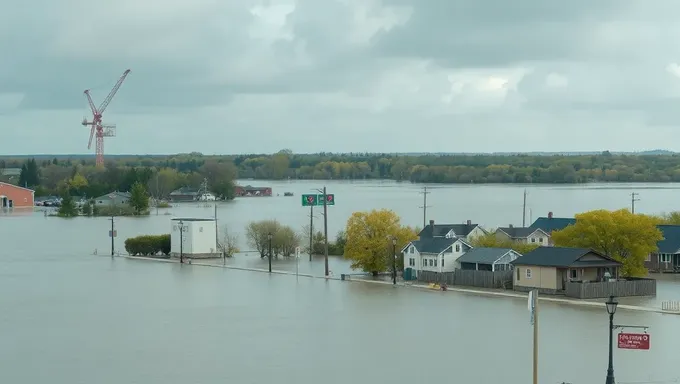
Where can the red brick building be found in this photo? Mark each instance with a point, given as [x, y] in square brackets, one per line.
[252, 191]
[13, 196]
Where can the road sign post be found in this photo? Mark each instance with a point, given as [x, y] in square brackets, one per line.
[639, 341]
[317, 200]
[297, 261]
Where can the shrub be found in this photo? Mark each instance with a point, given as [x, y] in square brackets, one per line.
[148, 245]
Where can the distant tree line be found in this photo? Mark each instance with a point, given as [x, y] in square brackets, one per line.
[163, 173]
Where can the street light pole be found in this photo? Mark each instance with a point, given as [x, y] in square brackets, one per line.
[269, 236]
[181, 242]
[394, 261]
[611, 309]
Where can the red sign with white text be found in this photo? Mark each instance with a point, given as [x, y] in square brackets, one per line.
[634, 341]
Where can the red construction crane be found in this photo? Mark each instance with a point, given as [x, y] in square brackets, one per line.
[100, 129]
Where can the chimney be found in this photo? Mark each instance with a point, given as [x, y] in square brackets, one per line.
[550, 215]
[510, 226]
[469, 222]
[432, 222]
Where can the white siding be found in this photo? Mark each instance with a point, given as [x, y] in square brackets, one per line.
[411, 258]
[538, 238]
[505, 260]
[198, 237]
[478, 231]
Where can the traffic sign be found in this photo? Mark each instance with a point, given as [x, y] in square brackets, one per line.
[297, 252]
[113, 233]
[634, 341]
[317, 200]
[309, 200]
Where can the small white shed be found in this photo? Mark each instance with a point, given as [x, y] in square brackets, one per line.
[193, 237]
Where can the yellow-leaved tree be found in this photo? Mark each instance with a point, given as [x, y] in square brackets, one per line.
[369, 239]
[490, 240]
[622, 235]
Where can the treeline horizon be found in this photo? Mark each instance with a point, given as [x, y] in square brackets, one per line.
[191, 168]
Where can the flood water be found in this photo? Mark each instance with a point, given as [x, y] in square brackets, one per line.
[68, 316]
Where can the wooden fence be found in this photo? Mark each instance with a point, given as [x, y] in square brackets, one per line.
[481, 279]
[621, 288]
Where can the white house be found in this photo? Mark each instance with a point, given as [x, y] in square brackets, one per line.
[192, 237]
[526, 235]
[439, 254]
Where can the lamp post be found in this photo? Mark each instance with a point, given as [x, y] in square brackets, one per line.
[181, 242]
[611, 309]
[269, 236]
[394, 261]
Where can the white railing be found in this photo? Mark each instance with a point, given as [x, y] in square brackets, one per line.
[671, 306]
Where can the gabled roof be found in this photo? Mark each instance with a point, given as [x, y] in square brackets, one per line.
[440, 230]
[671, 240]
[483, 255]
[434, 245]
[519, 233]
[564, 257]
[549, 224]
[16, 186]
[114, 194]
[184, 191]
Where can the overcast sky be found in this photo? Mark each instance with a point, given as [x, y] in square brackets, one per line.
[243, 76]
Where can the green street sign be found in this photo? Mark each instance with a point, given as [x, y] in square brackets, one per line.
[309, 200]
[317, 200]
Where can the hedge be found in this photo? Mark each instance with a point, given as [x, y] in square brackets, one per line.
[148, 245]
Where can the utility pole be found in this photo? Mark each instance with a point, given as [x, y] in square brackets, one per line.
[524, 210]
[633, 199]
[157, 194]
[113, 235]
[533, 307]
[311, 231]
[424, 206]
[325, 230]
[217, 232]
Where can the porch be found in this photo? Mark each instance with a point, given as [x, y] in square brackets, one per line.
[663, 262]
[585, 275]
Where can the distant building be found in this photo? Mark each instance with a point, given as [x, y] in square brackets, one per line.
[466, 231]
[249, 191]
[523, 235]
[551, 223]
[113, 199]
[667, 256]
[13, 196]
[194, 238]
[184, 194]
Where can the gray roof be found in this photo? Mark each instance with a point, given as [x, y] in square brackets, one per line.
[192, 219]
[440, 230]
[483, 255]
[114, 194]
[671, 239]
[564, 257]
[549, 224]
[434, 245]
[518, 233]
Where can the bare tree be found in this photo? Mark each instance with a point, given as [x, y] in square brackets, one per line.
[229, 244]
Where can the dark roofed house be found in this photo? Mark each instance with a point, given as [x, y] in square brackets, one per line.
[184, 194]
[550, 224]
[550, 269]
[488, 259]
[667, 257]
[466, 231]
[524, 235]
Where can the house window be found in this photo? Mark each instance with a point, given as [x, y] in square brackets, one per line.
[442, 261]
[572, 273]
[412, 262]
[665, 258]
[517, 274]
[431, 262]
[457, 247]
[435, 262]
[540, 239]
[528, 273]
[411, 249]
[533, 239]
[424, 262]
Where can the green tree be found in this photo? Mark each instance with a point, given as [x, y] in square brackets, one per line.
[284, 239]
[229, 243]
[68, 206]
[139, 198]
[622, 235]
[490, 240]
[369, 239]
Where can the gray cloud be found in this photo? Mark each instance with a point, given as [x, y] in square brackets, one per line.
[342, 75]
